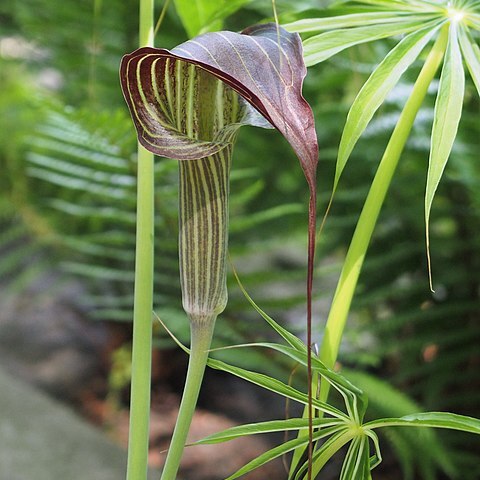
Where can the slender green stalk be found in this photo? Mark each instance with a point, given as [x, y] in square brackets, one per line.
[137, 464]
[371, 209]
[201, 337]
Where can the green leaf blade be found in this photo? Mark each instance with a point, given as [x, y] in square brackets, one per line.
[286, 448]
[450, 421]
[291, 339]
[376, 89]
[276, 386]
[321, 47]
[410, 5]
[350, 466]
[352, 20]
[265, 427]
[471, 54]
[323, 454]
[200, 16]
[447, 113]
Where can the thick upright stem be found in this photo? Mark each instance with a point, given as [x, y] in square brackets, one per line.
[371, 209]
[142, 323]
[137, 463]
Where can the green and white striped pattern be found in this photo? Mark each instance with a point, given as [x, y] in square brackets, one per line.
[204, 234]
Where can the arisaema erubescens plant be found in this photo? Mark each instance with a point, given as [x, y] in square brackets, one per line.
[188, 104]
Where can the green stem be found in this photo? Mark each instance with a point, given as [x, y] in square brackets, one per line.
[371, 209]
[137, 463]
[201, 337]
[142, 323]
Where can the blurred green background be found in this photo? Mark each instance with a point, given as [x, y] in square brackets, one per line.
[67, 203]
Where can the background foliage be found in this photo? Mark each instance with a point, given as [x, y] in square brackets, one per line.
[68, 193]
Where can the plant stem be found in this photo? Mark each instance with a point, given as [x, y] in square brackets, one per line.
[142, 323]
[137, 463]
[371, 209]
[201, 337]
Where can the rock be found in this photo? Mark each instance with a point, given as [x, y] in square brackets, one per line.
[48, 342]
[42, 439]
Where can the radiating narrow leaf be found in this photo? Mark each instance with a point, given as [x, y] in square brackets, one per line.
[284, 448]
[447, 113]
[430, 419]
[353, 20]
[410, 5]
[471, 53]
[355, 400]
[357, 460]
[349, 466]
[377, 87]
[387, 401]
[367, 461]
[474, 20]
[324, 453]
[276, 386]
[301, 357]
[265, 427]
[377, 457]
[323, 46]
[294, 341]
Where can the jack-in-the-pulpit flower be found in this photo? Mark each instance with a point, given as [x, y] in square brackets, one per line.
[188, 104]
